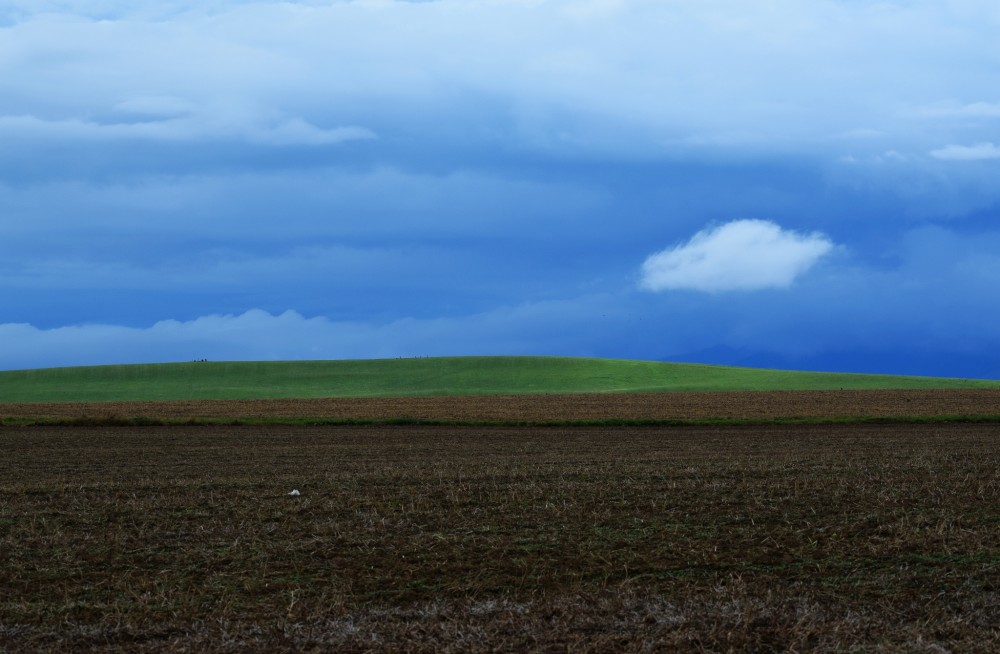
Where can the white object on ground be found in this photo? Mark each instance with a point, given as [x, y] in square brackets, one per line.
[295, 493]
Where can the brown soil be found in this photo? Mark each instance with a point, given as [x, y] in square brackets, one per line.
[819, 538]
[609, 406]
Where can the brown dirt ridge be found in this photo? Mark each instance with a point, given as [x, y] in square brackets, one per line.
[739, 405]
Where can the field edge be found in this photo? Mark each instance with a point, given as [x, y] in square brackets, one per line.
[594, 409]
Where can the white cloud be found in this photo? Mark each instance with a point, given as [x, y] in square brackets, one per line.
[954, 109]
[294, 131]
[976, 152]
[162, 105]
[299, 132]
[743, 255]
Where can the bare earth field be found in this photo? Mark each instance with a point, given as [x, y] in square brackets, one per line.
[752, 405]
[484, 538]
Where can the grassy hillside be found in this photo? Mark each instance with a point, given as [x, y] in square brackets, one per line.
[430, 376]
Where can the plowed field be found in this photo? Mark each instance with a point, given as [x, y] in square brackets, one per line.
[542, 408]
[820, 538]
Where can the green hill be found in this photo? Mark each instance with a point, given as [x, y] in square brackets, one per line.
[427, 376]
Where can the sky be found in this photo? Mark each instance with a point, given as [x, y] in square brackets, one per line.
[806, 184]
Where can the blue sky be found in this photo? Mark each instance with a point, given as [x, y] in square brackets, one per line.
[789, 183]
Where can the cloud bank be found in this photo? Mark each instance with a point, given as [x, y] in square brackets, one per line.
[570, 76]
[976, 152]
[258, 335]
[743, 255]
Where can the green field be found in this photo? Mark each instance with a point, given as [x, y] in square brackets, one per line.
[422, 376]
